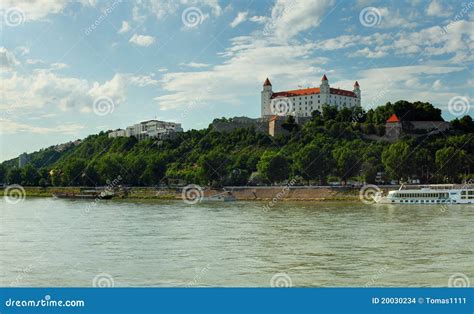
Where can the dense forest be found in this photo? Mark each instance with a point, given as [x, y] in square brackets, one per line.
[332, 146]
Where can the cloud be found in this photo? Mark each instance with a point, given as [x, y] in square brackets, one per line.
[142, 40]
[240, 18]
[411, 83]
[124, 28]
[142, 80]
[11, 127]
[161, 9]
[248, 61]
[195, 65]
[290, 17]
[7, 59]
[45, 89]
[36, 10]
[259, 19]
[435, 8]
[457, 42]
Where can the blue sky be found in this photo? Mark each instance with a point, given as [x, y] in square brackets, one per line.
[70, 69]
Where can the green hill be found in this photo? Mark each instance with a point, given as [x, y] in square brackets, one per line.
[331, 146]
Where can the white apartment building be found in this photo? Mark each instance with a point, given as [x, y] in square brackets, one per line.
[302, 102]
[149, 129]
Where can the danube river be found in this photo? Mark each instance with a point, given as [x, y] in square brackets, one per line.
[53, 242]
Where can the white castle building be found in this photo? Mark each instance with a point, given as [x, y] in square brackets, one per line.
[302, 102]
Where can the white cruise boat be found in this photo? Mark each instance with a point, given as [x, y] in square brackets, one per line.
[430, 194]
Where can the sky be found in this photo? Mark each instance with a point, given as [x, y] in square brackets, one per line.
[74, 68]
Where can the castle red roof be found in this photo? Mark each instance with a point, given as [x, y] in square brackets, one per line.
[324, 78]
[356, 84]
[393, 118]
[267, 82]
[314, 90]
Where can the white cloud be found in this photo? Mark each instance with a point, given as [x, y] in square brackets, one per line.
[432, 41]
[248, 62]
[195, 65]
[47, 90]
[124, 28]
[11, 127]
[259, 19]
[142, 80]
[161, 9]
[142, 40]
[380, 85]
[435, 8]
[35, 10]
[391, 18]
[240, 18]
[7, 59]
[290, 17]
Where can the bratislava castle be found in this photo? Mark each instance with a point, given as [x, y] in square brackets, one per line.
[302, 102]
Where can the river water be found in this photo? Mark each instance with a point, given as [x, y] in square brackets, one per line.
[53, 242]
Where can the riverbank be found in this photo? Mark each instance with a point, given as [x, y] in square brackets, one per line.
[257, 193]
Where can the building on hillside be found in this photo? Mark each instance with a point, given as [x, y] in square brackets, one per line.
[149, 129]
[302, 102]
[22, 160]
[394, 127]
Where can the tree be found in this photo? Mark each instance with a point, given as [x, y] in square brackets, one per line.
[72, 172]
[450, 163]
[313, 162]
[29, 175]
[14, 176]
[155, 171]
[3, 173]
[347, 161]
[396, 160]
[213, 167]
[273, 166]
[289, 124]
